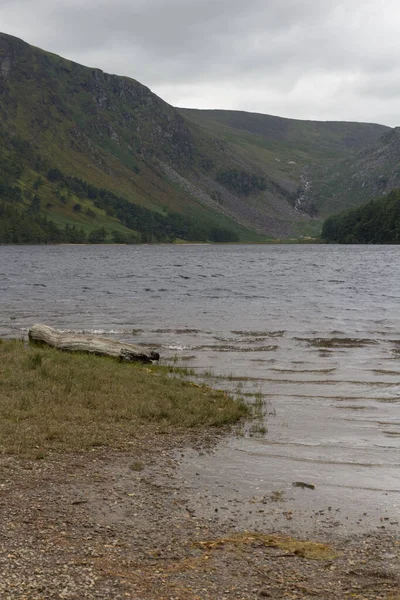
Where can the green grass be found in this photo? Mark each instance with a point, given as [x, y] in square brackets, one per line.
[50, 400]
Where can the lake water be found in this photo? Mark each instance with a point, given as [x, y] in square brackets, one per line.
[310, 334]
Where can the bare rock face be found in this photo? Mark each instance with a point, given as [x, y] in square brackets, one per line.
[6, 57]
[11, 48]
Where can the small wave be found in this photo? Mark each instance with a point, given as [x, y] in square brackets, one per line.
[102, 331]
[232, 348]
[179, 331]
[260, 334]
[324, 371]
[337, 342]
[264, 360]
[383, 465]
[176, 348]
[385, 372]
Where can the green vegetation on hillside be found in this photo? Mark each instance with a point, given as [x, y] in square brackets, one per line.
[31, 213]
[228, 174]
[371, 172]
[27, 228]
[296, 155]
[111, 133]
[377, 222]
[236, 173]
[286, 145]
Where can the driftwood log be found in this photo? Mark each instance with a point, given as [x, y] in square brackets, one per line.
[74, 342]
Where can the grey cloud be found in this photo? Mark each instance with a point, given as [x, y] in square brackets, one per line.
[301, 58]
[381, 87]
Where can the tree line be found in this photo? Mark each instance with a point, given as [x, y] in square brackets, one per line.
[377, 222]
[22, 227]
[152, 226]
[26, 225]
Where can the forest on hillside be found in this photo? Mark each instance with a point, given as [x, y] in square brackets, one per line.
[377, 222]
[23, 207]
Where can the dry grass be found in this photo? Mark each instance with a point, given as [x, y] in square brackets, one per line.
[304, 549]
[54, 400]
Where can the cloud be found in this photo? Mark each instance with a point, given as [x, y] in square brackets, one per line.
[331, 59]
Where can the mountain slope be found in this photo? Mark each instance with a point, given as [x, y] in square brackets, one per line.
[286, 146]
[102, 132]
[114, 133]
[367, 174]
[306, 140]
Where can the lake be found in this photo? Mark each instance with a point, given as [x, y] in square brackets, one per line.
[309, 334]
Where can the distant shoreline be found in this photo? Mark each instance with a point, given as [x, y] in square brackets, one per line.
[180, 244]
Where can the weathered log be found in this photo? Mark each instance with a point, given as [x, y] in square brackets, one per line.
[74, 342]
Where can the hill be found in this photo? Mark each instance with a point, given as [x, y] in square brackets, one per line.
[102, 153]
[287, 146]
[369, 173]
[377, 222]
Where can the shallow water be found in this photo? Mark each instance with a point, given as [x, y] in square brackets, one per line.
[310, 332]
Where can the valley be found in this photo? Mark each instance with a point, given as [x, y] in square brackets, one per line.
[83, 153]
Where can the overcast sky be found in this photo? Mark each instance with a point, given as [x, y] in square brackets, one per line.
[307, 59]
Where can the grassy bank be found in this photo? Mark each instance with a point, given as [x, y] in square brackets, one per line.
[50, 400]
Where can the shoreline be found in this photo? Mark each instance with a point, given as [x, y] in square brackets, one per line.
[131, 515]
[91, 526]
[277, 242]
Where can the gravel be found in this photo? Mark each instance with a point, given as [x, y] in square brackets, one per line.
[116, 525]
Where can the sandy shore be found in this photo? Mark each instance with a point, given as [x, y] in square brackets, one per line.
[119, 524]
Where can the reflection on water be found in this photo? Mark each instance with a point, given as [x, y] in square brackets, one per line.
[314, 331]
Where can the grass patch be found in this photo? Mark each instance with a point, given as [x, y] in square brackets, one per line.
[50, 400]
[303, 549]
[178, 371]
[136, 466]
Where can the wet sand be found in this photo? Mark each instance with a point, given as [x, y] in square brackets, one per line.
[239, 483]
